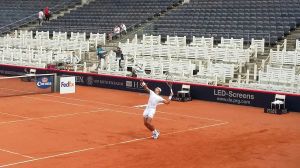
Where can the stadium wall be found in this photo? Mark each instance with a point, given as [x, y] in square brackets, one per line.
[221, 94]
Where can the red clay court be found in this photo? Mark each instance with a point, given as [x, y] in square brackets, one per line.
[103, 128]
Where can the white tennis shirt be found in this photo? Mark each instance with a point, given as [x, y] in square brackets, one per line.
[154, 99]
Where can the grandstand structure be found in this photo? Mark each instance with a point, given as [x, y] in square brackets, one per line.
[101, 16]
[200, 42]
[268, 19]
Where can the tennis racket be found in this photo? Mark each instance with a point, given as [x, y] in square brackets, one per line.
[170, 81]
[139, 67]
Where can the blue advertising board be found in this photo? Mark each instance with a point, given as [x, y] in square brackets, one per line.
[220, 94]
[44, 82]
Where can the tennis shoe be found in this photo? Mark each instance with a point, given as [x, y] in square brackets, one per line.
[156, 135]
[153, 134]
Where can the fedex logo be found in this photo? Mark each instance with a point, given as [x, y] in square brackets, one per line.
[67, 84]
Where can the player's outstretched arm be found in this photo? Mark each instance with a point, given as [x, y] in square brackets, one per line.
[169, 98]
[144, 85]
[166, 101]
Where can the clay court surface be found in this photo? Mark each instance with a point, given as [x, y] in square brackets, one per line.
[97, 128]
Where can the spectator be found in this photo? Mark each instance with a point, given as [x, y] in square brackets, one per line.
[41, 16]
[117, 31]
[110, 35]
[119, 56]
[47, 13]
[101, 56]
[123, 28]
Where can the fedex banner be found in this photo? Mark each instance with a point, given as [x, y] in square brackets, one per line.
[67, 85]
[220, 94]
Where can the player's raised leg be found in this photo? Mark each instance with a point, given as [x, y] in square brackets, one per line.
[150, 126]
[147, 123]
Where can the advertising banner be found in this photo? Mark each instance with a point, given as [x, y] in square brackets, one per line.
[44, 82]
[222, 94]
[67, 85]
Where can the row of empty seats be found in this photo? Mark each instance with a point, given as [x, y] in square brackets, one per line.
[229, 50]
[282, 72]
[231, 43]
[285, 57]
[275, 78]
[36, 58]
[38, 49]
[266, 19]
[46, 44]
[156, 68]
[58, 41]
[188, 52]
[199, 62]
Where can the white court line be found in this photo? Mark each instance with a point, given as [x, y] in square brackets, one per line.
[75, 104]
[55, 101]
[17, 91]
[145, 105]
[47, 157]
[189, 116]
[54, 116]
[14, 115]
[181, 115]
[15, 153]
[73, 114]
[98, 102]
[118, 111]
[109, 145]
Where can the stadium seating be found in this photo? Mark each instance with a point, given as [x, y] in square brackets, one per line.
[282, 73]
[35, 58]
[259, 45]
[23, 48]
[267, 87]
[150, 39]
[215, 64]
[43, 41]
[155, 68]
[277, 75]
[268, 19]
[102, 15]
[285, 58]
[176, 48]
[15, 13]
[203, 42]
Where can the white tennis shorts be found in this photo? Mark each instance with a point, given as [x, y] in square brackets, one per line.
[149, 112]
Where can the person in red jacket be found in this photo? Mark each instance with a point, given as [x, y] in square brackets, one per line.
[47, 13]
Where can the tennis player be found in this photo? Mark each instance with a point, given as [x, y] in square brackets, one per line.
[150, 110]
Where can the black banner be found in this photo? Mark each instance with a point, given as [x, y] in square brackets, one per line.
[202, 92]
